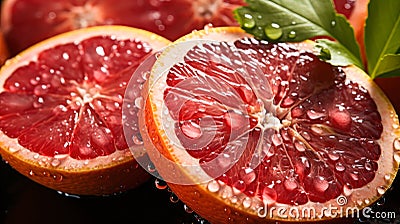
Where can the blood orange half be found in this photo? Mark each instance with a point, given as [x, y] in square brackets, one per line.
[61, 109]
[246, 131]
[26, 22]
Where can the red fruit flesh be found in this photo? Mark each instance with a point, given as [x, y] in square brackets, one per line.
[69, 101]
[30, 21]
[288, 124]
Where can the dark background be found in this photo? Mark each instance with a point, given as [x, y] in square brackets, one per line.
[24, 201]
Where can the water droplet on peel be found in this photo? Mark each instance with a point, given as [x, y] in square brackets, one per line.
[227, 193]
[396, 144]
[31, 173]
[387, 177]
[13, 149]
[248, 21]
[273, 31]
[359, 202]
[139, 102]
[292, 34]
[234, 199]
[137, 140]
[396, 156]
[160, 184]
[247, 202]
[151, 168]
[55, 162]
[367, 201]
[213, 186]
[381, 190]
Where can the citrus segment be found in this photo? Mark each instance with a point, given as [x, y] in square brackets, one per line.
[27, 22]
[269, 124]
[62, 106]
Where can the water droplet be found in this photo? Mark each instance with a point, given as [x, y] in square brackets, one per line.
[36, 156]
[227, 192]
[333, 23]
[151, 168]
[367, 201]
[139, 102]
[340, 167]
[396, 144]
[58, 178]
[324, 53]
[359, 202]
[187, 209]
[292, 34]
[248, 21]
[299, 146]
[247, 202]
[396, 156]
[276, 139]
[247, 175]
[160, 184]
[239, 186]
[213, 186]
[387, 177]
[173, 198]
[234, 199]
[137, 140]
[381, 201]
[55, 162]
[347, 190]
[13, 149]
[273, 31]
[31, 173]
[320, 184]
[381, 190]
[290, 184]
[333, 156]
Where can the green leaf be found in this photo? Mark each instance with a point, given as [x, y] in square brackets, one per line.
[291, 21]
[387, 66]
[382, 36]
[340, 56]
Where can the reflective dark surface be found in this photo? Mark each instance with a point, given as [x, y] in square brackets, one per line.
[24, 201]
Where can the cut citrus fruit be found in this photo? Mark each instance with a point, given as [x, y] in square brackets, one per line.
[61, 109]
[246, 131]
[26, 22]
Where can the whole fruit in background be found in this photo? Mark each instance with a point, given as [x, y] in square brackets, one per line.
[61, 121]
[236, 129]
[26, 22]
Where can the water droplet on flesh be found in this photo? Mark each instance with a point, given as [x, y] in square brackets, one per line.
[340, 167]
[321, 184]
[273, 31]
[55, 162]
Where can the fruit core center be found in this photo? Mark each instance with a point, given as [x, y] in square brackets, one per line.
[87, 92]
